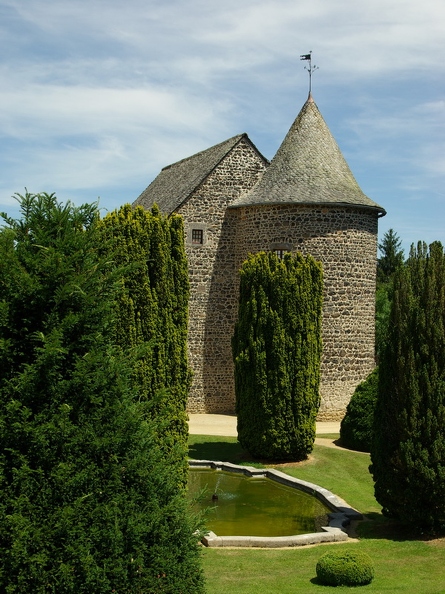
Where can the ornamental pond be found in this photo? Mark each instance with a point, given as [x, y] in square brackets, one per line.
[247, 506]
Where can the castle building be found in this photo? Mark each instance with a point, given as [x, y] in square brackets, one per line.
[234, 203]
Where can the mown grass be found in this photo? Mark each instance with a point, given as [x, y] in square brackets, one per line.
[329, 435]
[403, 562]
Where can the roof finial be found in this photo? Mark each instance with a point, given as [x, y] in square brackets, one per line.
[311, 68]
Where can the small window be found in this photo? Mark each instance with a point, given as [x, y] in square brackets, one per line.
[197, 236]
[281, 248]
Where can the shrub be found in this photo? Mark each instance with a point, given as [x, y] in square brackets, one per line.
[357, 425]
[345, 569]
[276, 350]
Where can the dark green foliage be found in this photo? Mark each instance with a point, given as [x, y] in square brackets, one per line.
[408, 452]
[383, 300]
[276, 350]
[89, 503]
[357, 425]
[153, 311]
[391, 258]
[345, 569]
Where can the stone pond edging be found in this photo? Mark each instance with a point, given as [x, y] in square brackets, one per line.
[340, 516]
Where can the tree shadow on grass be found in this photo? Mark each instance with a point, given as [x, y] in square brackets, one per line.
[377, 526]
[227, 452]
[228, 449]
[223, 451]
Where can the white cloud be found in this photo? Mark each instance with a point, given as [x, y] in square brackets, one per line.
[99, 94]
[60, 110]
[352, 39]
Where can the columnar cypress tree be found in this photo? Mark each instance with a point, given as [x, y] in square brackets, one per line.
[408, 452]
[153, 312]
[88, 502]
[276, 350]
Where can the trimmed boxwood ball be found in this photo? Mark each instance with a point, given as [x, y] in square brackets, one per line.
[345, 569]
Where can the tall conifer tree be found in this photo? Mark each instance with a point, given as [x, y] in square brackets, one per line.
[88, 501]
[391, 256]
[153, 313]
[408, 452]
[391, 259]
[277, 349]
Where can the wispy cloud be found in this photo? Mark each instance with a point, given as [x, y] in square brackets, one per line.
[96, 96]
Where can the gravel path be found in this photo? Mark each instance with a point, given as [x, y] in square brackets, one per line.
[204, 424]
[225, 425]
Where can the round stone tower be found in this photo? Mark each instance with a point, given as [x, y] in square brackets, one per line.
[309, 201]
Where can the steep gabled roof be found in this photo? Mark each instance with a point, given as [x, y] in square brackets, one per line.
[178, 181]
[308, 169]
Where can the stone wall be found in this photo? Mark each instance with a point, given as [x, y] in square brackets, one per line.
[214, 279]
[345, 241]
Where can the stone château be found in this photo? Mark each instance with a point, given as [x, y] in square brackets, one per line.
[234, 202]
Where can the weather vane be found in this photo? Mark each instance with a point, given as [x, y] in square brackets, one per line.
[311, 68]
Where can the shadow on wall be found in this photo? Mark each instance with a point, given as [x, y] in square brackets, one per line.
[219, 384]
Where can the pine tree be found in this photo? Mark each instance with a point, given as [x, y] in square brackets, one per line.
[276, 350]
[391, 258]
[88, 500]
[408, 451]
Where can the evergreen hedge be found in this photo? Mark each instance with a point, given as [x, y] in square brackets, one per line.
[152, 313]
[276, 350]
[408, 451]
[89, 502]
[356, 427]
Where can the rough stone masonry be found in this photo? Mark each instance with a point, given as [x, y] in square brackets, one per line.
[234, 202]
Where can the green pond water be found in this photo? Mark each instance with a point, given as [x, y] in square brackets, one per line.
[254, 506]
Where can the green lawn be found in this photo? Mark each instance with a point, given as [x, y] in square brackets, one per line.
[403, 563]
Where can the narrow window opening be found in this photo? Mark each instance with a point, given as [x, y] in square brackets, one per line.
[197, 236]
[281, 248]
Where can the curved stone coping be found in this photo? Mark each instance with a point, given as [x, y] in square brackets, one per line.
[340, 516]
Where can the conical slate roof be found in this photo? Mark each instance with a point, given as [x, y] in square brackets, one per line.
[308, 169]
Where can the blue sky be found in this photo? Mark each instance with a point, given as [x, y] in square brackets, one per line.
[96, 96]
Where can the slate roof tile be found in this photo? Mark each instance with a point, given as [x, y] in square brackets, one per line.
[178, 181]
[308, 169]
